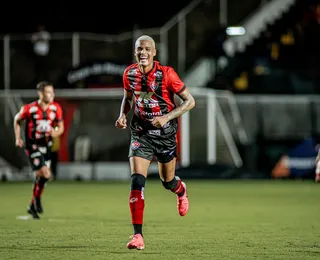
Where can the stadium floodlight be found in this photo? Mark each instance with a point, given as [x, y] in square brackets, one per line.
[235, 31]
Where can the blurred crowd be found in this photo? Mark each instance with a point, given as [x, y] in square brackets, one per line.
[285, 59]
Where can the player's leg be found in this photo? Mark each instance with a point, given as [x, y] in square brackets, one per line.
[140, 157]
[166, 155]
[317, 175]
[42, 175]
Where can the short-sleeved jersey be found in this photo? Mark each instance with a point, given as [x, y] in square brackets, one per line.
[153, 92]
[39, 122]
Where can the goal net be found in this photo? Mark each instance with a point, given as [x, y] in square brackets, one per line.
[209, 134]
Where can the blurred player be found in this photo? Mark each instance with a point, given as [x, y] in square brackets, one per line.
[151, 88]
[44, 121]
[317, 177]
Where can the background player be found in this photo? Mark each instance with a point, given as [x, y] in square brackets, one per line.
[151, 88]
[44, 121]
[317, 176]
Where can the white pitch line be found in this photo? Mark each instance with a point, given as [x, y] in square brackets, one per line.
[56, 220]
[24, 217]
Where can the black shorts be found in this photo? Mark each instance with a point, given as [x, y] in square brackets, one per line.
[39, 156]
[162, 148]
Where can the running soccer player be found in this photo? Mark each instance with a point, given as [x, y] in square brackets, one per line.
[150, 87]
[44, 121]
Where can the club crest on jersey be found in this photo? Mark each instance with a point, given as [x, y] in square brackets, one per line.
[158, 74]
[135, 145]
[154, 85]
[52, 115]
[36, 161]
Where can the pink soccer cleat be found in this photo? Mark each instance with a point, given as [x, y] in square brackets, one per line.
[137, 242]
[183, 202]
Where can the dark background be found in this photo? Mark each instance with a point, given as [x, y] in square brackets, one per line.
[99, 16]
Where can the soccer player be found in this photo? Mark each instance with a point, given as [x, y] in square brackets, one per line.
[151, 87]
[44, 121]
[317, 177]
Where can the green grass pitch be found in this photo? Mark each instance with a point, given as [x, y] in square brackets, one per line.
[227, 220]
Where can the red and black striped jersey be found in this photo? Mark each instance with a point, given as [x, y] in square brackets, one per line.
[153, 92]
[39, 122]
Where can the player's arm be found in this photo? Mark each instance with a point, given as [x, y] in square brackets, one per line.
[17, 127]
[125, 108]
[318, 156]
[317, 177]
[58, 129]
[187, 104]
[126, 103]
[175, 85]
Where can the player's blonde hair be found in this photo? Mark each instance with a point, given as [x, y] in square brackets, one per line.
[145, 38]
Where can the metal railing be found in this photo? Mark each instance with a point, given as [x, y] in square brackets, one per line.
[180, 42]
[70, 49]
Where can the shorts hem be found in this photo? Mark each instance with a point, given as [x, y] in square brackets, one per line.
[141, 156]
[166, 161]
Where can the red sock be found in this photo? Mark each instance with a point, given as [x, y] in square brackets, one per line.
[179, 188]
[35, 190]
[136, 202]
[39, 191]
[38, 188]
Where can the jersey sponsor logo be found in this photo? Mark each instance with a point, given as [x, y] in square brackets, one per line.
[133, 200]
[43, 150]
[145, 100]
[154, 132]
[53, 107]
[36, 154]
[132, 72]
[33, 109]
[43, 126]
[36, 161]
[135, 145]
[151, 105]
[166, 125]
[158, 74]
[150, 114]
[52, 115]
[146, 97]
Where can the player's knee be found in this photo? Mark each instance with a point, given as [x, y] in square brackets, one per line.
[171, 185]
[45, 172]
[137, 181]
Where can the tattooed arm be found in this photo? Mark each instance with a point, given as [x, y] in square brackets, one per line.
[187, 104]
[125, 108]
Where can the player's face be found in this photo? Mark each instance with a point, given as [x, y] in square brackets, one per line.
[47, 96]
[144, 52]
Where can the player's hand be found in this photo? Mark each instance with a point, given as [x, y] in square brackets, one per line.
[121, 122]
[159, 121]
[19, 142]
[54, 133]
[317, 159]
[317, 178]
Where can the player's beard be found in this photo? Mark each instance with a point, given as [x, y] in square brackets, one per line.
[145, 61]
[47, 100]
